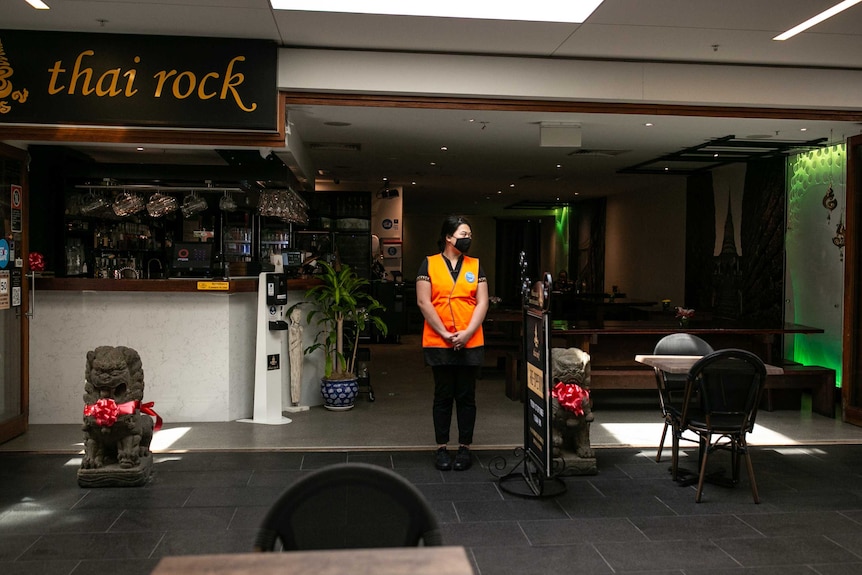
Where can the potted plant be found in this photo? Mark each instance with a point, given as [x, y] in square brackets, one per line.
[342, 309]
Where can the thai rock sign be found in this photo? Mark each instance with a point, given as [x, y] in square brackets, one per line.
[129, 80]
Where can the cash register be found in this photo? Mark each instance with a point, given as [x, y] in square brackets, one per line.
[191, 260]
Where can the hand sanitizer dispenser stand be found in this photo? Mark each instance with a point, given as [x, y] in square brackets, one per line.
[270, 351]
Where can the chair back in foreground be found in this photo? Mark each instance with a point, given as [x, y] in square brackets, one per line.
[729, 383]
[348, 506]
[671, 386]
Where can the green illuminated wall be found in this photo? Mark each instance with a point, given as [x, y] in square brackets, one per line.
[814, 286]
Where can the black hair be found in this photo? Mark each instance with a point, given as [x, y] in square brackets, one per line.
[449, 227]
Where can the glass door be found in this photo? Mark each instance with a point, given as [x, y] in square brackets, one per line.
[14, 392]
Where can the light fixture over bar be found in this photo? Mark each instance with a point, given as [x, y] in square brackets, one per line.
[38, 4]
[572, 11]
[840, 7]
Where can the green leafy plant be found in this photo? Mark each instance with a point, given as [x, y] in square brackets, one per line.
[342, 309]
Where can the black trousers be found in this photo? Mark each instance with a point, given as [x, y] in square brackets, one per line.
[454, 385]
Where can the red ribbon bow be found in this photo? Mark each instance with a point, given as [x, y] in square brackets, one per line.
[571, 396]
[36, 261]
[106, 411]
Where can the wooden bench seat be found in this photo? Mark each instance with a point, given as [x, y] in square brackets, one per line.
[820, 381]
[508, 352]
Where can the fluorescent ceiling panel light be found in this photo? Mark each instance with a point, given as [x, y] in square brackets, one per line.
[38, 4]
[572, 11]
[840, 7]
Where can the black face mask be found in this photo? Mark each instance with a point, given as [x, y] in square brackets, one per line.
[463, 245]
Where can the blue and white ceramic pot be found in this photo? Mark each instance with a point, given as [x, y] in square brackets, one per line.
[339, 394]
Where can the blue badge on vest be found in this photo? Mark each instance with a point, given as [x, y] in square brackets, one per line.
[469, 277]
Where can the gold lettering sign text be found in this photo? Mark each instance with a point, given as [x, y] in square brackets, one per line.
[115, 82]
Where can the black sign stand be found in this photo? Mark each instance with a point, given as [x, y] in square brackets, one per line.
[536, 457]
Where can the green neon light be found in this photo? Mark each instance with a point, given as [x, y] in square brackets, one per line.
[815, 267]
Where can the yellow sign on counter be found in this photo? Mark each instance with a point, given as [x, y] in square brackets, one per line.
[213, 286]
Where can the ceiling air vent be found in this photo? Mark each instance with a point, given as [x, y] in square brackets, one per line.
[598, 153]
[333, 147]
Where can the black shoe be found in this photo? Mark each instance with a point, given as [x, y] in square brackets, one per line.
[463, 460]
[443, 461]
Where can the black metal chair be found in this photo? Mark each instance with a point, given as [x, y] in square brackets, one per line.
[348, 506]
[729, 384]
[671, 386]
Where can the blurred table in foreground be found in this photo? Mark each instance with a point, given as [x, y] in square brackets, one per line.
[394, 561]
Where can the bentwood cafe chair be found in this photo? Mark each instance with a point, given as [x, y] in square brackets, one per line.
[729, 384]
[671, 386]
[349, 506]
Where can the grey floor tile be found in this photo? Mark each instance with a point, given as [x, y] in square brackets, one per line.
[135, 497]
[316, 460]
[633, 555]
[686, 528]
[40, 567]
[280, 478]
[618, 506]
[200, 542]
[572, 531]
[233, 496]
[852, 541]
[496, 533]
[247, 518]
[56, 521]
[460, 492]
[785, 551]
[837, 568]
[115, 567]
[508, 510]
[770, 570]
[127, 546]
[582, 559]
[12, 546]
[214, 518]
[210, 478]
[802, 524]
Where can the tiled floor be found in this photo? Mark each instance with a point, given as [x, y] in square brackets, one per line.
[212, 483]
[630, 518]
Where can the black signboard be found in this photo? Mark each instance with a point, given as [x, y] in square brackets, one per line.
[138, 81]
[537, 408]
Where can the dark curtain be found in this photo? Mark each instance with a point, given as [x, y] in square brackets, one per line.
[513, 237]
[587, 237]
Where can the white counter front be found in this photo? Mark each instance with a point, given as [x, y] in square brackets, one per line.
[197, 351]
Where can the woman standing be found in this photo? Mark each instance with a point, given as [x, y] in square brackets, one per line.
[452, 294]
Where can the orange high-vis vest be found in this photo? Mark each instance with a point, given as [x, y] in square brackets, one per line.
[453, 300]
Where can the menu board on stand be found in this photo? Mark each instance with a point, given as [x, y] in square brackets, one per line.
[536, 471]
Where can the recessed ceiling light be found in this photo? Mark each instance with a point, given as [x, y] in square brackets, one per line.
[803, 129]
[443, 148]
[535, 11]
[813, 21]
[140, 149]
[649, 124]
[511, 185]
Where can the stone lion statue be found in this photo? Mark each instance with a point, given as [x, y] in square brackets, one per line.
[115, 431]
[570, 432]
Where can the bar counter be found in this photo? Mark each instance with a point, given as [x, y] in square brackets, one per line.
[197, 344]
[184, 285]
